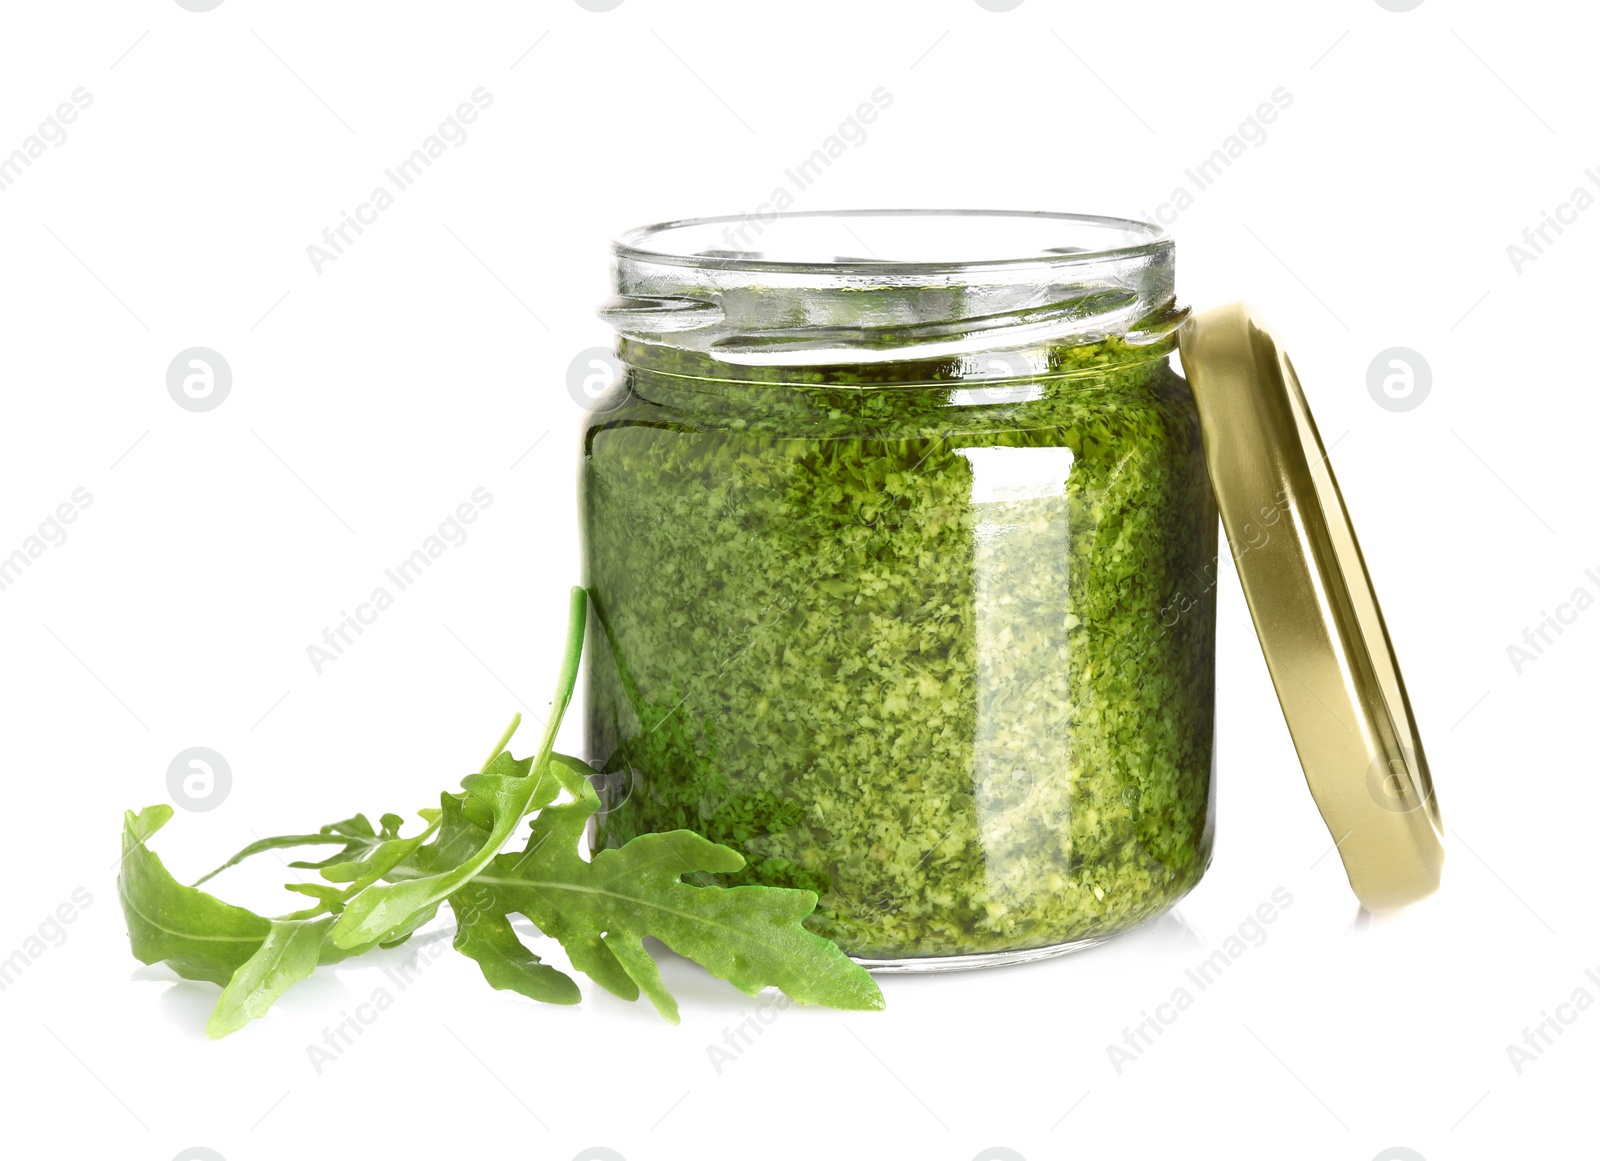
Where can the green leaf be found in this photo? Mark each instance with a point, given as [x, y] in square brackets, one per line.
[482, 935]
[355, 835]
[198, 935]
[331, 898]
[376, 861]
[506, 962]
[293, 947]
[380, 886]
[510, 789]
[635, 960]
[202, 938]
[601, 911]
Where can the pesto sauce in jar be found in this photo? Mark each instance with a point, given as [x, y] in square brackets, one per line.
[941, 653]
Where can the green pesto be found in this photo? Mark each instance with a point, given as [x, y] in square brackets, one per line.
[970, 720]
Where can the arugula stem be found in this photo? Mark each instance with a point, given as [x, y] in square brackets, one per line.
[505, 739]
[379, 910]
[296, 840]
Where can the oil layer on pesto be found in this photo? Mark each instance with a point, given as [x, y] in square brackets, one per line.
[941, 653]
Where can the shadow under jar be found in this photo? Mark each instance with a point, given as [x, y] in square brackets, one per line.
[902, 554]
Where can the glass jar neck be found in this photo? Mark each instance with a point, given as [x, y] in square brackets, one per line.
[947, 295]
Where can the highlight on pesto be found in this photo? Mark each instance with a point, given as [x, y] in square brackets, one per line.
[939, 650]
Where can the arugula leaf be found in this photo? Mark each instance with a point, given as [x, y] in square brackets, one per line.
[374, 863]
[510, 789]
[202, 938]
[354, 834]
[482, 934]
[601, 911]
[292, 948]
[198, 935]
[380, 886]
[488, 938]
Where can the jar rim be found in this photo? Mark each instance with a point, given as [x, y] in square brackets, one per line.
[1109, 238]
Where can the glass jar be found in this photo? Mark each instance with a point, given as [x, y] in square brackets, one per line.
[901, 548]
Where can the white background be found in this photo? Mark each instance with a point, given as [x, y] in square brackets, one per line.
[371, 398]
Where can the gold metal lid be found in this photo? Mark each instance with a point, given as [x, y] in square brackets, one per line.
[1314, 608]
